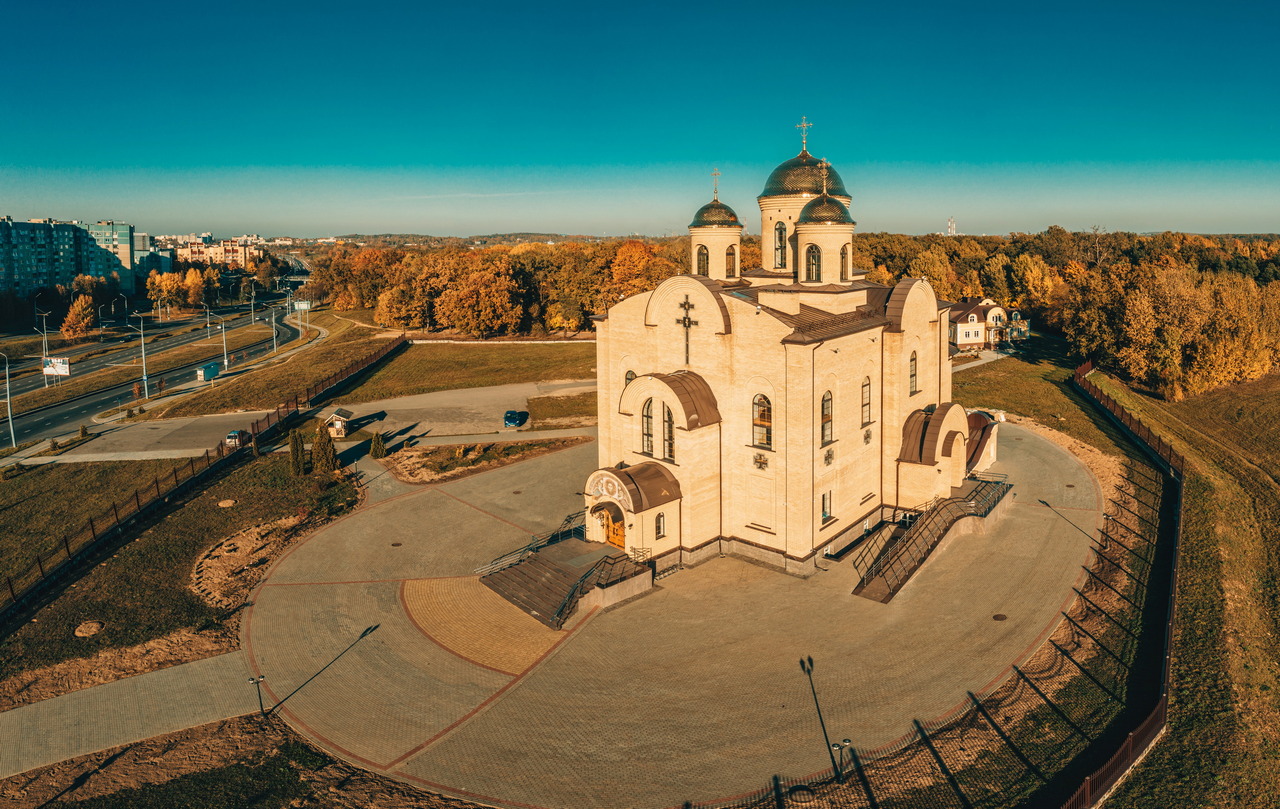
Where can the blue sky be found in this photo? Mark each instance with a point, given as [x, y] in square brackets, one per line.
[320, 118]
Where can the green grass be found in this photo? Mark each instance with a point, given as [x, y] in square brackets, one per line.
[445, 366]
[1036, 384]
[273, 782]
[45, 503]
[142, 592]
[268, 386]
[1223, 748]
[546, 411]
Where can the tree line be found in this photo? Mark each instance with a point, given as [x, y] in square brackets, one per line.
[1180, 313]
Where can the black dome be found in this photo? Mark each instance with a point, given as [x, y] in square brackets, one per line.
[802, 175]
[715, 213]
[825, 209]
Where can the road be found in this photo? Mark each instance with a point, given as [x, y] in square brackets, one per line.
[128, 354]
[66, 417]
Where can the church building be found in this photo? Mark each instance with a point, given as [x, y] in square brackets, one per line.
[774, 412]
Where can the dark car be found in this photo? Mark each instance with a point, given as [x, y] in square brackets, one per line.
[515, 418]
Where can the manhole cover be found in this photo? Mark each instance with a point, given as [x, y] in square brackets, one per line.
[999, 616]
[226, 503]
[1071, 485]
[517, 491]
[396, 544]
[89, 628]
[802, 794]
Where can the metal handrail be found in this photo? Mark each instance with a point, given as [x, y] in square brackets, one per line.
[595, 575]
[572, 526]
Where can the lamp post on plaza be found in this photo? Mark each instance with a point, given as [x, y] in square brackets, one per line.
[806, 665]
[8, 401]
[840, 748]
[257, 682]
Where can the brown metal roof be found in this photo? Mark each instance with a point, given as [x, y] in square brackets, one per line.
[695, 396]
[650, 484]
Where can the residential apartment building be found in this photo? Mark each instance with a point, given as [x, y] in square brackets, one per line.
[44, 253]
[226, 253]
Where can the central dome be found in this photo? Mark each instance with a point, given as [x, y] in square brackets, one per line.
[715, 213]
[802, 175]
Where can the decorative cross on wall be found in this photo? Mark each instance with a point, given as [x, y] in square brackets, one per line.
[688, 323]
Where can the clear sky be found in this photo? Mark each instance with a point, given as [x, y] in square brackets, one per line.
[321, 118]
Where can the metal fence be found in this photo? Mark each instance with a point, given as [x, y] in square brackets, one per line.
[75, 548]
[1003, 744]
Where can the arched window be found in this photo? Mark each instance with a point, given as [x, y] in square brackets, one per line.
[973, 318]
[866, 400]
[660, 526]
[780, 246]
[730, 262]
[704, 260]
[762, 422]
[646, 428]
[844, 263]
[813, 263]
[631, 376]
[668, 435]
[915, 382]
[828, 429]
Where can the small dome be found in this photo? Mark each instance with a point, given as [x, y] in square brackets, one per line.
[825, 209]
[802, 175]
[715, 213]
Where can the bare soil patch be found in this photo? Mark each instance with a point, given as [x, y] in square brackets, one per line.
[422, 465]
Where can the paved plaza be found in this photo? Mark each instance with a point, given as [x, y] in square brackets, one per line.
[691, 692]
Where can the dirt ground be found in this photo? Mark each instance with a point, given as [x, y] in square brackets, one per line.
[246, 739]
[223, 577]
[412, 465]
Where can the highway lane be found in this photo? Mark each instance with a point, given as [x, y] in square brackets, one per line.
[127, 354]
[68, 416]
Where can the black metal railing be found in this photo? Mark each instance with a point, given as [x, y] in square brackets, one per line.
[573, 526]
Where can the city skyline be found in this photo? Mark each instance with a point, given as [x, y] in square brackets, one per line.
[589, 120]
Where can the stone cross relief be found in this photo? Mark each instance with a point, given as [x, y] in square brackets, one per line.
[687, 323]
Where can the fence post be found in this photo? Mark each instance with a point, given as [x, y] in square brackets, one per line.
[116, 512]
[13, 595]
[66, 545]
[137, 499]
[93, 532]
[40, 564]
[157, 482]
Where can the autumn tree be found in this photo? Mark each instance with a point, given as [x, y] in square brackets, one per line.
[934, 266]
[482, 304]
[80, 318]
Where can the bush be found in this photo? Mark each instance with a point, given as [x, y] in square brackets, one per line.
[53, 444]
[84, 431]
[377, 447]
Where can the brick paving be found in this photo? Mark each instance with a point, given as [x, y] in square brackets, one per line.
[690, 693]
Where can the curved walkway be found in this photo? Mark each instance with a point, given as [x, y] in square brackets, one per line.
[386, 652]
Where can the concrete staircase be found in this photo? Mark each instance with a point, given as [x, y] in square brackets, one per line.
[538, 585]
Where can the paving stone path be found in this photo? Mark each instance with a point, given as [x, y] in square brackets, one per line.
[375, 637]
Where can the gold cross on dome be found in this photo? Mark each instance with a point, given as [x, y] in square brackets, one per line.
[715, 184]
[803, 126]
[824, 168]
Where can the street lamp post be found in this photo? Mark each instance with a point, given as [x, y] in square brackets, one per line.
[841, 748]
[142, 341]
[275, 343]
[8, 401]
[43, 331]
[257, 682]
[806, 665]
[101, 327]
[222, 327]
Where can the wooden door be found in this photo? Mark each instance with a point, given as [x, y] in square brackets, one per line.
[615, 534]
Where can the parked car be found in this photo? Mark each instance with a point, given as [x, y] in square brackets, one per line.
[237, 439]
[515, 418]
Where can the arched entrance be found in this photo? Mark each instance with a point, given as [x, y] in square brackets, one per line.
[613, 521]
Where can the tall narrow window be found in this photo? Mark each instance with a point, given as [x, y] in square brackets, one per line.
[813, 263]
[631, 377]
[915, 384]
[866, 400]
[646, 428]
[704, 259]
[660, 526]
[828, 431]
[844, 263]
[762, 422]
[668, 435]
[826, 506]
[730, 262]
[780, 246]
